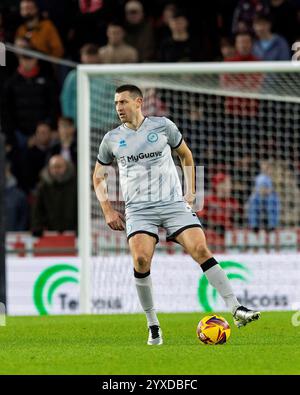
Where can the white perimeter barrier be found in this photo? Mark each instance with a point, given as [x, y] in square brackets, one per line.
[51, 285]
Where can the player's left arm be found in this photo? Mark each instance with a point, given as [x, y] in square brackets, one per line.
[188, 167]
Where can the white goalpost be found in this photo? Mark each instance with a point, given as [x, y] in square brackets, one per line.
[234, 116]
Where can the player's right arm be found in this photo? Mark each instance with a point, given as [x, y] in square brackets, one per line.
[113, 218]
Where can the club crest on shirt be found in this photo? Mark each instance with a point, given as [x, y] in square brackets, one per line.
[152, 137]
[122, 143]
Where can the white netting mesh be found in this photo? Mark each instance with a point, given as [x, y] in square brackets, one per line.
[238, 126]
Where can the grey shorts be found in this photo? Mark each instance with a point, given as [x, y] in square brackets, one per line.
[175, 217]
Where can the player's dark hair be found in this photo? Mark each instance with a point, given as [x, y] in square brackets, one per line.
[134, 90]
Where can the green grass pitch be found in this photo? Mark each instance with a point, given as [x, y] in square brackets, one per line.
[116, 344]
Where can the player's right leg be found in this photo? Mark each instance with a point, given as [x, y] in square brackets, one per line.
[142, 246]
[194, 242]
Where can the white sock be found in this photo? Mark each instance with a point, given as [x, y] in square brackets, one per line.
[144, 291]
[216, 276]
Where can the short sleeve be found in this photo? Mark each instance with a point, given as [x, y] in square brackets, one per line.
[105, 156]
[173, 134]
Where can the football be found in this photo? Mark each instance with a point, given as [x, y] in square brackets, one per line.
[213, 329]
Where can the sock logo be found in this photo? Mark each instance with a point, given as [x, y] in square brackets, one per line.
[49, 281]
[207, 295]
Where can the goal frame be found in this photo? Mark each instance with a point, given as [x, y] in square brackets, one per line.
[84, 160]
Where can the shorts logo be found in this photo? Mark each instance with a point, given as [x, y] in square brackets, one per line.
[122, 143]
[152, 137]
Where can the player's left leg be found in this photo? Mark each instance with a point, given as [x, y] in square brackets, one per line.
[194, 242]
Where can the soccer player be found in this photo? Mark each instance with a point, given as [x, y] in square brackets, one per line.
[153, 198]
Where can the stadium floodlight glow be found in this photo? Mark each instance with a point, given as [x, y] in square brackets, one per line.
[227, 112]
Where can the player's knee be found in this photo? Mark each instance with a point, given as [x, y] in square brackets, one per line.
[201, 252]
[142, 262]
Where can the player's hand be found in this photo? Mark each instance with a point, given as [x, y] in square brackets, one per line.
[190, 198]
[115, 220]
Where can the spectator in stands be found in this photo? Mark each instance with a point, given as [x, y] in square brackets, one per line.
[41, 33]
[220, 208]
[263, 204]
[283, 14]
[245, 12]
[16, 206]
[28, 97]
[250, 82]
[38, 153]
[89, 54]
[227, 48]
[269, 46]
[89, 25]
[55, 208]
[153, 105]
[243, 171]
[139, 31]
[180, 46]
[67, 144]
[46, 68]
[61, 13]
[162, 30]
[116, 50]
[197, 133]
[285, 184]
[242, 106]
[243, 48]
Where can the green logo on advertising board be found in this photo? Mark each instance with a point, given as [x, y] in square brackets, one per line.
[207, 295]
[49, 281]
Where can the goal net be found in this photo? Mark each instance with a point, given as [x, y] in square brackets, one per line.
[241, 122]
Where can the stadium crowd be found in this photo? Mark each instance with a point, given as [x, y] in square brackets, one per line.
[38, 98]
